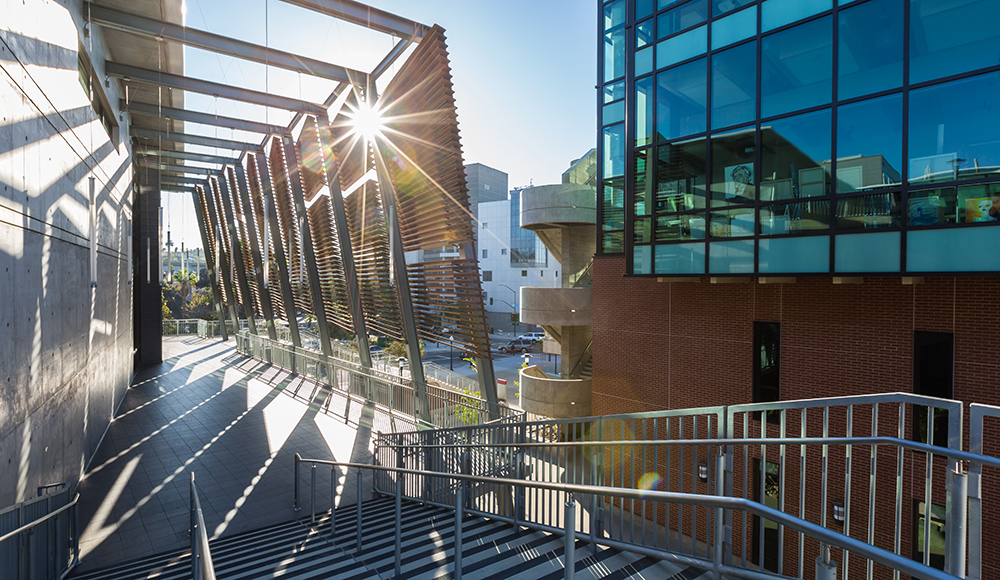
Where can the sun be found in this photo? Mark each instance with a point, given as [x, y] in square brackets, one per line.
[367, 121]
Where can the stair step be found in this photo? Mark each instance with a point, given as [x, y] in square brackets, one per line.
[491, 550]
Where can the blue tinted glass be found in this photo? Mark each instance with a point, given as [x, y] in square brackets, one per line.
[879, 210]
[870, 144]
[949, 250]
[614, 150]
[682, 100]
[947, 38]
[614, 40]
[613, 113]
[867, 252]
[734, 28]
[796, 157]
[682, 47]
[734, 257]
[870, 49]
[644, 33]
[775, 13]
[642, 260]
[614, 91]
[644, 111]
[953, 130]
[734, 85]
[680, 259]
[798, 68]
[733, 176]
[681, 17]
[643, 8]
[787, 255]
[720, 7]
[644, 61]
[680, 183]
[614, 15]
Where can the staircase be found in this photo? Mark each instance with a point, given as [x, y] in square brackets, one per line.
[490, 550]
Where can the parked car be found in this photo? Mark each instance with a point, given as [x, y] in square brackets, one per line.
[535, 336]
[374, 348]
[518, 345]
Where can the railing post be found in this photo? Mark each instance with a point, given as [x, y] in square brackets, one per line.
[956, 511]
[720, 528]
[399, 525]
[826, 569]
[76, 535]
[333, 503]
[298, 459]
[459, 513]
[194, 532]
[358, 538]
[312, 495]
[569, 552]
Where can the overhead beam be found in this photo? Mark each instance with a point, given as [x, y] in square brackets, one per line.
[184, 169]
[394, 54]
[164, 79]
[192, 139]
[148, 110]
[187, 155]
[362, 15]
[134, 23]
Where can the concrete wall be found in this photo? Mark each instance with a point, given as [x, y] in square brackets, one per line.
[65, 347]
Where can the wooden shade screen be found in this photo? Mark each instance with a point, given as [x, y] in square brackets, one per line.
[290, 236]
[424, 158]
[267, 245]
[314, 165]
[244, 240]
[225, 269]
[370, 242]
[347, 148]
[211, 228]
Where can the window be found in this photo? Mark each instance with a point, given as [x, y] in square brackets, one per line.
[485, 225]
[767, 365]
[933, 358]
[485, 254]
[541, 273]
[487, 275]
[936, 533]
[524, 273]
[503, 251]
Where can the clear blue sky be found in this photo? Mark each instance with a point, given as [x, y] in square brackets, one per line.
[524, 75]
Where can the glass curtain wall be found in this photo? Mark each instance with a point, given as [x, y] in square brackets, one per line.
[800, 136]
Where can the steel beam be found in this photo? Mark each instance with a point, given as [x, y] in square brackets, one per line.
[209, 261]
[226, 192]
[243, 194]
[287, 298]
[398, 256]
[154, 77]
[362, 15]
[148, 110]
[175, 169]
[191, 139]
[160, 29]
[308, 251]
[344, 239]
[186, 155]
[181, 182]
[390, 58]
[223, 264]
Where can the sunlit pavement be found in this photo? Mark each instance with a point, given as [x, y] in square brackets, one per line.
[232, 421]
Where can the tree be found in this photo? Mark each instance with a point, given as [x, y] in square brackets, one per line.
[397, 348]
[201, 306]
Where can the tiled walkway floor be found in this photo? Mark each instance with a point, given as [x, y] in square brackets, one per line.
[237, 424]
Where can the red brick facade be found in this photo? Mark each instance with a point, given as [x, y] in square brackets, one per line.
[675, 345]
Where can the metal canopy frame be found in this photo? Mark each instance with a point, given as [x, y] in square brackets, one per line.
[154, 111]
[170, 137]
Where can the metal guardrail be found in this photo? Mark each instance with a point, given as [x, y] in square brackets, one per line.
[462, 485]
[674, 451]
[392, 392]
[202, 567]
[39, 538]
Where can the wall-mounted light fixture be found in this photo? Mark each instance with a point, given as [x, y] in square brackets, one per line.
[703, 472]
[839, 513]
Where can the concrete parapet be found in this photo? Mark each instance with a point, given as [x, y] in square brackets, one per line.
[557, 306]
[552, 397]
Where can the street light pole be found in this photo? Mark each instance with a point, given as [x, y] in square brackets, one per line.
[451, 353]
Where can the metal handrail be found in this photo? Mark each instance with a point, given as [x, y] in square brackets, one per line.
[202, 567]
[824, 535]
[44, 518]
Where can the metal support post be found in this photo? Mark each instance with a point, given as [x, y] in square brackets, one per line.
[252, 222]
[298, 459]
[205, 228]
[332, 169]
[308, 249]
[569, 552]
[459, 514]
[223, 264]
[226, 193]
[399, 525]
[193, 531]
[720, 528]
[826, 569]
[956, 507]
[312, 495]
[333, 503]
[287, 298]
[358, 538]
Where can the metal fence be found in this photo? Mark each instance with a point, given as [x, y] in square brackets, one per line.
[39, 538]
[867, 467]
[393, 392]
